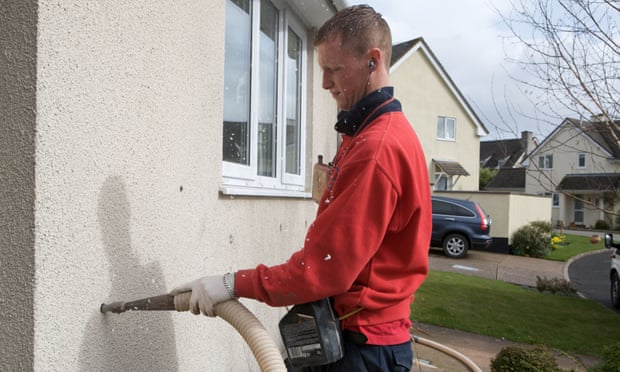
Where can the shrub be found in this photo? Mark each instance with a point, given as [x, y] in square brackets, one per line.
[554, 285]
[610, 359]
[545, 227]
[530, 240]
[518, 359]
[601, 225]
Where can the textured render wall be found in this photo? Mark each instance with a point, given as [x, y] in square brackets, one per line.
[17, 123]
[127, 203]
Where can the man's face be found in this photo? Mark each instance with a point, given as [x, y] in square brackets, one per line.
[344, 74]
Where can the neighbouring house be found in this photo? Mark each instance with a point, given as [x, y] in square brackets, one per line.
[450, 132]
[447, 125]
[578, 165]
[504, 157]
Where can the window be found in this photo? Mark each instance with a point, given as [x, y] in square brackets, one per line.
[444, 208]
[581, 160]
[446, 128]
[442, 182]
[545, 162]
[579, 209]
[263, 147]
[555, 200]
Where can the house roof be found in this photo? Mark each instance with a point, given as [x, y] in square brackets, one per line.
[508, 178]
[400, 53]
[501, 153]
[506, 153]
[603, 133]
[590, 182]
[451, 168]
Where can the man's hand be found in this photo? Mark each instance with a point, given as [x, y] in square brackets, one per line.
[207, 292]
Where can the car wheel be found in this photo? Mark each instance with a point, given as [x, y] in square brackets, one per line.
[455, 245]
[615, 290]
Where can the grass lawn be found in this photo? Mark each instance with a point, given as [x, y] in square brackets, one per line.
[574, 245]
[503, 310]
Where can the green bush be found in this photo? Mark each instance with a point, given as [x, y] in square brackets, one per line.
[531, 240]
[518, 359]
[545, 227]
[610, 361]
[601, 225]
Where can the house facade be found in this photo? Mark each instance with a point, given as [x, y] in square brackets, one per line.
[445, 122]
[144, 145]
[578, 166]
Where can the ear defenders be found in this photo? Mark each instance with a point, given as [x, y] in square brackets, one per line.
[371, 65]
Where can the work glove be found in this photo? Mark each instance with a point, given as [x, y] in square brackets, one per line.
[207, 292]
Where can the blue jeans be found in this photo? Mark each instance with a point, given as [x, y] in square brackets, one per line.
[368, 358]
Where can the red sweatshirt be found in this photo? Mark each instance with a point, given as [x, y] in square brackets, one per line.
[368, 246]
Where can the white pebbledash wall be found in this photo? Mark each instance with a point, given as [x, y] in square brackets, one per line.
[114, 174]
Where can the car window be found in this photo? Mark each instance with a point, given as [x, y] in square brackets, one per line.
[445, 208]
[461, 211]
[440, 207]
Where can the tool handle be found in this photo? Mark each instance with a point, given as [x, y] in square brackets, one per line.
[164, 302]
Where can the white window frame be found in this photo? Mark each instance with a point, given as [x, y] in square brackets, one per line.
[444, 121]
[555, 200]
[240, 179]
[581, 156]
[579, 210]
[546, 160]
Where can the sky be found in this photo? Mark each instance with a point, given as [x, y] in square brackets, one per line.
[469, 39]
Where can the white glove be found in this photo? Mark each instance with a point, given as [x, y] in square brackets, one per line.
[207, 292]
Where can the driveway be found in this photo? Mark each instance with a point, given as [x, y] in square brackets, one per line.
[590, 275]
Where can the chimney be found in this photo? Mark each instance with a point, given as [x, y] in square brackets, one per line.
[526, 141]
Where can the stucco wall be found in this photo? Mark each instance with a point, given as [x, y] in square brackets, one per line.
[127, 202]
[17, 132]
[425, 96]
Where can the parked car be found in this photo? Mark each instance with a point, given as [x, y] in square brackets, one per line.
[614, 269]
[459, 225]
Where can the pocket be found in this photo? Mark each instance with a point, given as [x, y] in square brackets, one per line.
[403, 357]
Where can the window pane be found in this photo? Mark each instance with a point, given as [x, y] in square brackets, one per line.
[582, 160]
[441, 128]
[268, 95]
[550, 161]
[442, 183]
[236, 141]
[450, 128]
[293, 103]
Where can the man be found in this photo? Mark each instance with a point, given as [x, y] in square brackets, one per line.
[368, 247]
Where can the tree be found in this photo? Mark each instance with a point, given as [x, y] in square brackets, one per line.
[570, 55]
[486, 175]
[568, 58]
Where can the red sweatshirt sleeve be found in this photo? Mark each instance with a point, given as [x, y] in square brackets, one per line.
[339, 244]
[368, 246]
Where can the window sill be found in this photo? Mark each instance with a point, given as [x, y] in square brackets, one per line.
[232, 190]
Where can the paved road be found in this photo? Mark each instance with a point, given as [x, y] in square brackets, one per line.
[590, 275]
